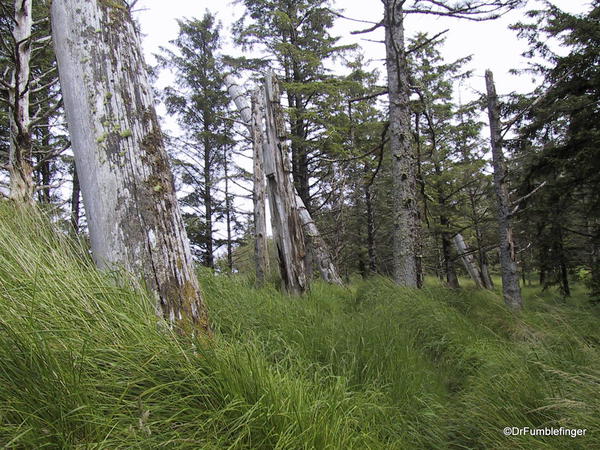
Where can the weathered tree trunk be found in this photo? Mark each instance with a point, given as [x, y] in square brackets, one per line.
[287, 228]
[261, 253]
[403, 155]
[126, 182]
[467, 259]
[22, 184]
[75, 195]
[508, 264]
[253, 117]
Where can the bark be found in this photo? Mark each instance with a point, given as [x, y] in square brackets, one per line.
[22, 184]
[467, 259]
[287, 228]
[261, 253]
[126, 182]
[484, 270]
[403, 154]
[370, 226]
[508, 264]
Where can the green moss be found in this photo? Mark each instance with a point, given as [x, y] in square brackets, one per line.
[114, 4]
[126, 133]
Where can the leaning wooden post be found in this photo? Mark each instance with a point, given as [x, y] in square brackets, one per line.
[467, 259]
[126, 182]
[322, 255]
[508, 263]
[285, 220]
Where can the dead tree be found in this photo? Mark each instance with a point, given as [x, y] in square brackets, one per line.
[126, 182]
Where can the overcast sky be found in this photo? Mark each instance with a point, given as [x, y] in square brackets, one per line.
[492, 44]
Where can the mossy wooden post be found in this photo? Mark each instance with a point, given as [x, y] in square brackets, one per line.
[285, 219]
[126, 182]
[508, 260]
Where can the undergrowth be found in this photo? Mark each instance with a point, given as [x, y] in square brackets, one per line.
[85, 363]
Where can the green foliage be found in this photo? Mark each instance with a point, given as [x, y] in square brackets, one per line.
[200, 103]
[84, 362]
[559, 143]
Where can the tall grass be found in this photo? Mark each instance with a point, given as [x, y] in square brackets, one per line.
[84, 362]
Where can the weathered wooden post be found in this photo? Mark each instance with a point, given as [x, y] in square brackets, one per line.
[123, 168]
[285, 220]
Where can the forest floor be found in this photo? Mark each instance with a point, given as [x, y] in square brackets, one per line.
[84, 362]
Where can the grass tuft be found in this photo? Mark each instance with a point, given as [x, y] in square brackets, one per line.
[84, 362]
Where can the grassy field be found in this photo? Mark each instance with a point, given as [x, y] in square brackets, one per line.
[84, 362]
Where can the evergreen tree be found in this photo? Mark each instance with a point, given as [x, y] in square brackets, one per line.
[200, 103]
[295, 36]
[560, 144]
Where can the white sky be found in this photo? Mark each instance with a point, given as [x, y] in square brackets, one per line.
[492, 44]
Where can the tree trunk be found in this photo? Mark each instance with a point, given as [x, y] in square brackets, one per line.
[126, 182]
[403, 155]
[467, 259]
[370, 225]
[451, 277]
[228, 211]
[207, 198]
[287, 228]
[75, 194]
[22, 185]
[508, 264]
[261, 253]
